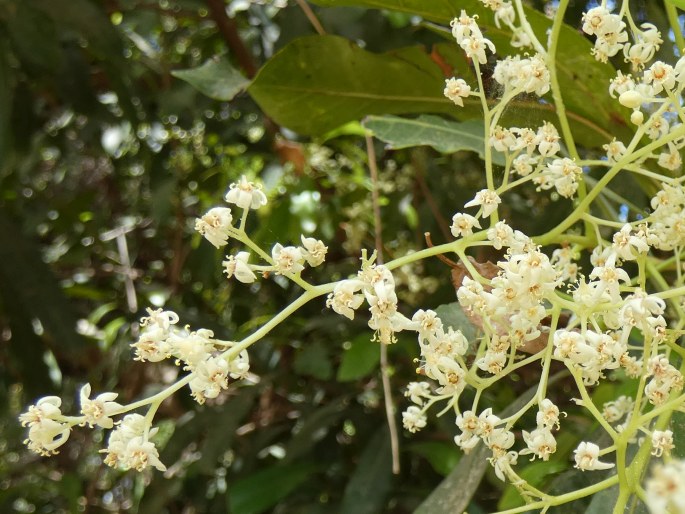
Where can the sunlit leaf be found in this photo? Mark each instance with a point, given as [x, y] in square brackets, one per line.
[443, 135]
[216, 78]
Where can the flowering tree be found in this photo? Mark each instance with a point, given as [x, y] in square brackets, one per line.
[592, 301]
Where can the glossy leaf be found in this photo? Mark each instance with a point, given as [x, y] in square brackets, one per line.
[216, 78]
[359, 360]
[262, 490]
[594, 116]
[443, 457]
[318, 83]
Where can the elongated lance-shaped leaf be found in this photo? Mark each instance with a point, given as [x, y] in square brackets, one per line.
[443, 135]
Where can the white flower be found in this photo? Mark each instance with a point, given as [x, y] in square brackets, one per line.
[413, 419]
[127, 448]
[46, 431]
[209, 378]
[587, 457]
[140, 454]
[345, 298]
[541, 443]
[665, 489]
[215, 225]
[462, 224]
[245, 194]
[662, 442]
[287, 259]
[487, 199]
[98, 410]
[456, 89]
[191, 347]
[313, 251]
[239, 268]
[417, 391]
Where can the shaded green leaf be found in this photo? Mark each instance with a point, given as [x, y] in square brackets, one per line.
[371, 481]
[452, 315]
[216, 78]
[443, 135]
[313, 360]
[359, 360]
[454, 493]
[262, 490]
[5, 105]
[314, 428]
[29, 283]
[678, 429]
[441, 456]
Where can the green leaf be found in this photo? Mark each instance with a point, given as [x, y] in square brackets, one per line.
[428, 130]
[262, 490]
[29, 283]
[359, 360]
[594, 116]
[6, 94]
[452, 315]
[678, 429]
[371, 481]
[216, 78]
[454, 493]
[313, 360]
[443, 457]
[314, 428]
[318, 83]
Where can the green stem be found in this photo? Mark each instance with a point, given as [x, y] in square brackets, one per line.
[675, 25]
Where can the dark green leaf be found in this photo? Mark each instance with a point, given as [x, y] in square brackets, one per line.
[314, 428]
[317, 83]
[359, 360]
[216, 78]
[442, 456]
[29, 283]
[5, 106]
[678, 429]
[370, 483]
[594, 116]
[455, 492]
[313, 360]
[262, 490]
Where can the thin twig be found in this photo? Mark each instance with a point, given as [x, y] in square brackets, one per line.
[385, 372]
[311, 17]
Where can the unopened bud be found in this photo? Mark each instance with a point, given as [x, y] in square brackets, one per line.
[631, 99]
[637, 117]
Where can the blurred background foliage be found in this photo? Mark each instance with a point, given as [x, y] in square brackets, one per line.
[123, 120]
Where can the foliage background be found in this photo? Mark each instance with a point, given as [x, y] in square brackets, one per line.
[108, 151]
